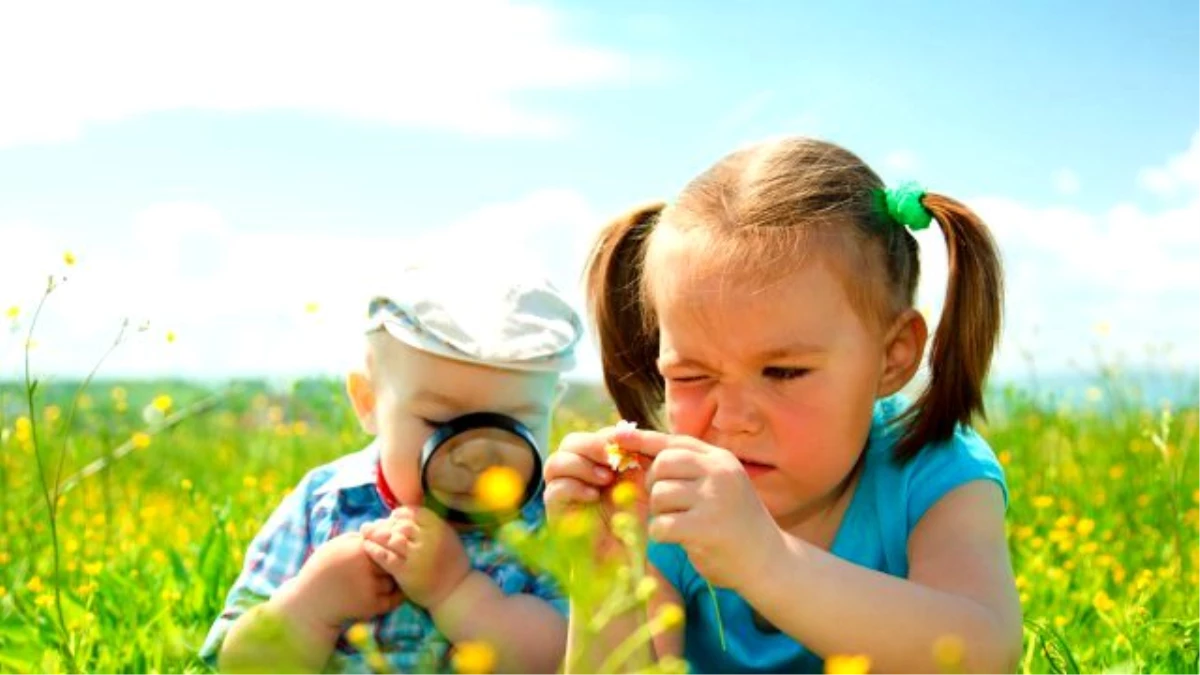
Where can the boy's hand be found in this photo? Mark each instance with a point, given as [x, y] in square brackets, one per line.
[421, 552]
[339, 583]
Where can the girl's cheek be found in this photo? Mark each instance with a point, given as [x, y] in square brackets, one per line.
[686, 410]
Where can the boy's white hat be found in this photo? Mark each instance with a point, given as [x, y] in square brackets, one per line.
[499, 313]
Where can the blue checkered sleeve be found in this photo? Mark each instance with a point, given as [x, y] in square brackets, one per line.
[547, 588]
[274, 556]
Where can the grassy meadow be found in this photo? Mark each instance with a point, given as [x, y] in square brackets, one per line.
[126, 509]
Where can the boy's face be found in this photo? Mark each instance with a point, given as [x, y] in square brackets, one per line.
[414, 392]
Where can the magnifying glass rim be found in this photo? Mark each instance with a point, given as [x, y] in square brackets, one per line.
[470, 422]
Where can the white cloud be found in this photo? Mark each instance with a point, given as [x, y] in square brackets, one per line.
[236, 300]
[453, 65]
[1134, 267]
[1180, 175]
[1066, 182]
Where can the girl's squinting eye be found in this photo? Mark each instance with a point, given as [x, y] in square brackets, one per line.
[784, 373]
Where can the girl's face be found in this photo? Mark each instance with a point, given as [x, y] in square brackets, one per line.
[783, 375]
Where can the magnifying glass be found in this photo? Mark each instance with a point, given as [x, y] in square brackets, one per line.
[480, 469]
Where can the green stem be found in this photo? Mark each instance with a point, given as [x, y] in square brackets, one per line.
[51, 506]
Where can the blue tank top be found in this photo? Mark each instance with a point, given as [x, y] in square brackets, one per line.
[887, 503]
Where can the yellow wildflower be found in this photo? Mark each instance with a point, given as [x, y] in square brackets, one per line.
[13, 312]
[848, 665]
[141, 440]
[170, 336]
[1042, 501]
[473, 657]
[499, 488]
[162, 402]
[1102, 602]
[948, 651]
[358, 635]
[35, 585]
[669, 616]
[624, 494]
[92, 569]
[68, 258]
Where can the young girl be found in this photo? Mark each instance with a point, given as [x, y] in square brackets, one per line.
[768, 314]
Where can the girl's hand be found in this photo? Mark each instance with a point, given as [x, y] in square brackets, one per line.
[701, 498]
[578, 475]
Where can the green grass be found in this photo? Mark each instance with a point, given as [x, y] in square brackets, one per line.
[1103, 518]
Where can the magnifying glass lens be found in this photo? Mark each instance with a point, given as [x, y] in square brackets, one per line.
[482, 468]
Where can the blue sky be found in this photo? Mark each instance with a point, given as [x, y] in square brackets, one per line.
[221, 170]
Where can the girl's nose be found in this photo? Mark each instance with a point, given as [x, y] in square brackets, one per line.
[734, 411]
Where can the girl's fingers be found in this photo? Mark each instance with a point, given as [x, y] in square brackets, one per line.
[672, 496]
[562, 492]
[675, 464]
[589, 445]
[567, 464]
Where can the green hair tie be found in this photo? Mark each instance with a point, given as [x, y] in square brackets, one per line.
[905, 207]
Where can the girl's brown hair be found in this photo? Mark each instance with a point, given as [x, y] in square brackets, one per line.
[772, 201]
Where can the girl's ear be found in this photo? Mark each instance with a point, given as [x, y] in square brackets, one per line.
[362, 397]
[903, 349]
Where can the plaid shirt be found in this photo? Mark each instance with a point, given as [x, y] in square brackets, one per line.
[340, 497]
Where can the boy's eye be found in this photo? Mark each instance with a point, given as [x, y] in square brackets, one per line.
[684, 379]
[784, 373]
[430, 423]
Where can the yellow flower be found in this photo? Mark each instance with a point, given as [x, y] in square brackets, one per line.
[118, 393]
[669, 616]
[35, 585]
[141, 440]
[44, 600]
[249, 481]
[185, 485]
[1143, 500]
[3, 591]
[92, 569]
[575, 524]
[499, 488]
[848, 665]
[1085, 526]
[473, 657]
[1043, 501]
[358, 635]
[162, 402]
[170, 336]
[645, 588]
[4, 558]
[625, 494]
[300, 428]
[1060, 621]
[68, 258]
[1102, 602]
[311, 308]
[52, 413]
[1005, 457]
[24, 429]
[1116, 472]
[948, 651]
[84, 590]
[13, 312]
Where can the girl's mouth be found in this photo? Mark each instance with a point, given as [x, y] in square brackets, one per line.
[754, 469]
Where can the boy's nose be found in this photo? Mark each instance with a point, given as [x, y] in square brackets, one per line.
[476, 455]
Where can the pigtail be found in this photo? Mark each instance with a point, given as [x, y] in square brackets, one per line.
[628, 338]
[967, 331]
